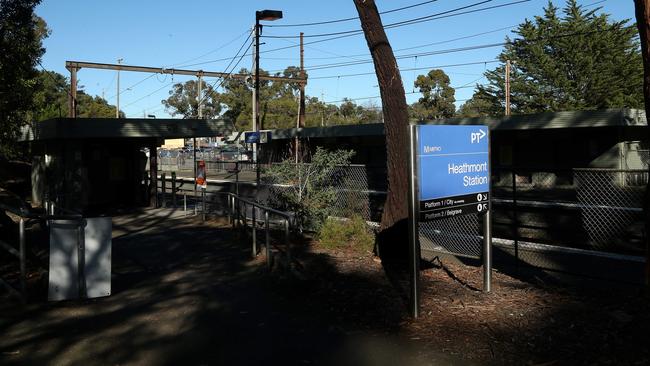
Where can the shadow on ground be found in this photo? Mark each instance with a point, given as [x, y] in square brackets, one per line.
[189, 293]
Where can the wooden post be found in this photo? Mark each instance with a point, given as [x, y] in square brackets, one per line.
[72, 97]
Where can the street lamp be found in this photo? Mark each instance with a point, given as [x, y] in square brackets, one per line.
[267, 15]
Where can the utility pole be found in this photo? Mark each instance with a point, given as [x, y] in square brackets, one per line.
[322, 112]
[117, 110]
[199, 97]
[256, 104]
[507, 77]
[256, 85]
[301, 107]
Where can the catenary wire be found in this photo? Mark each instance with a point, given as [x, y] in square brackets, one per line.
[346, 19]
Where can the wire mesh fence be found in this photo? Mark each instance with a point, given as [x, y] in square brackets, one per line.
[458, 235]
[611, 207]
[587, 209]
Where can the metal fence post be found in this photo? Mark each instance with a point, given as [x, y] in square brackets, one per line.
[203, 204]
[231, 208]
[23, 269]
[267, 245]
[254, 232]
[174, 189]
[487, 251]
[163, 190]
[287, 241]
[515, 217]
[185, 202]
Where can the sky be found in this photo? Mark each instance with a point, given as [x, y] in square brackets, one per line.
[207, 35]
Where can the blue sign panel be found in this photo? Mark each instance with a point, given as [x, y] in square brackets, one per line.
[252, 137]
[453, 170]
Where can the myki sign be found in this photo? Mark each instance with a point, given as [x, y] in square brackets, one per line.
[201, 177]
[453, 170]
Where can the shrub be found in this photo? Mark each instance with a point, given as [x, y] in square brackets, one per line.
[307, 189]
[347, 234]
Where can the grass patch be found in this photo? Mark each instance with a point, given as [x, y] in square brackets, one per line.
[347, 234]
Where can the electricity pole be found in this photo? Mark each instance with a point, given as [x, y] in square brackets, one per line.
[117, 110]
[507, 87]
[199, 97]
[301, 107]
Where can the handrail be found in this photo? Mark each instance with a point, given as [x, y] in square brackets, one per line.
[278, 213]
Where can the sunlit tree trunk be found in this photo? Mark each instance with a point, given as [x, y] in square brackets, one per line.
[642, 8]
[395, 111]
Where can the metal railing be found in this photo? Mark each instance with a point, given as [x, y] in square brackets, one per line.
[240, 212]
[238, 209]
[25, 217]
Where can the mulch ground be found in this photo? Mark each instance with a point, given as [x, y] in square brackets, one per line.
[518, 323]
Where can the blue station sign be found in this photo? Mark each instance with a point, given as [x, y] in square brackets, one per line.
[251, 137]
[453, 170]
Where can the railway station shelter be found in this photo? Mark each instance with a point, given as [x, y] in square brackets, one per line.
[94, 165]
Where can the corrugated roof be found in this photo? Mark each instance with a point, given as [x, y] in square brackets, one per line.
[78, 128]
[548, 120]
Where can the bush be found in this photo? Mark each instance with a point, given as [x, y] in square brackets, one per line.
[347, 234]
[306, 189]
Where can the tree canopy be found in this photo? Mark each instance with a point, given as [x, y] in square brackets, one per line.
[278, 103]
[20, 42]
[577, 60]
[51, 100]
[437, 97]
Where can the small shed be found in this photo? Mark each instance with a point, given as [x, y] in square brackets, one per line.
[94, 165]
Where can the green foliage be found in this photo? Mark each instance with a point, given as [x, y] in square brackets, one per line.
[278, 104]
[437, 97]
[347, 234]
[21, 33]
[183, 100]
[51, 100]
[475, 107]
[307, 188]
[579, 60]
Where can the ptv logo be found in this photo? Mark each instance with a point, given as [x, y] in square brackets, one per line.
[475, 137]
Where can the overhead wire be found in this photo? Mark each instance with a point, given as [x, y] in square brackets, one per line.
[347, 19]
[391, 25]
[450, 50]
[133, 86]
[223, 78]
[354, 34]
[409, 69]
[182, 64]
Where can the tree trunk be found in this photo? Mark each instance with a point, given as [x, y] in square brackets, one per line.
[642, 8]
[395, 215]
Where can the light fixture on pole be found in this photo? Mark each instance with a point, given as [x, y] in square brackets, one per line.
[267, 15]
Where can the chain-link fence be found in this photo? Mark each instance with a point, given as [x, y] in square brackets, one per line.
[583, 209]
[458, 235]
[611, 206]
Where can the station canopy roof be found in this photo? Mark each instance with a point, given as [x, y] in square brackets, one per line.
[84, 128]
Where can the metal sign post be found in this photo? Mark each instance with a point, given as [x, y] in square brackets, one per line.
[414, 236]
